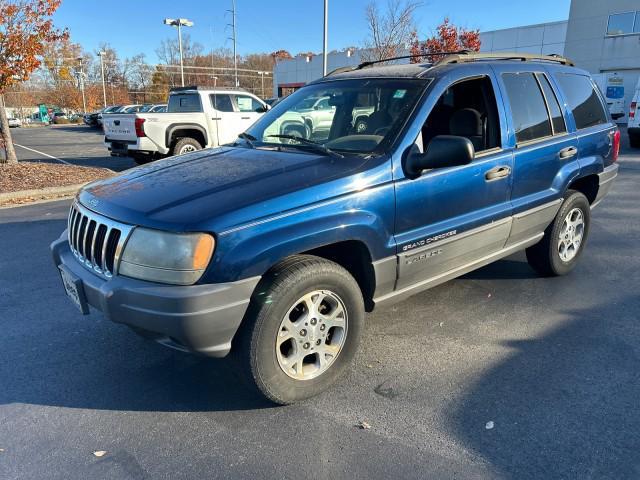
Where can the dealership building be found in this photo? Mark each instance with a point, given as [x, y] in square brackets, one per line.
[601, 36]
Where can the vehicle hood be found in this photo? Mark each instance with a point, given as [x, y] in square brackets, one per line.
[194, 190]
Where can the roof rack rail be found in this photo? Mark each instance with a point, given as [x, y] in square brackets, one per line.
[524, 57]
[403, 57]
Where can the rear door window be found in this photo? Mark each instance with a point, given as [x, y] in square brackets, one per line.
[184, 103]
[557, 119]
[530, 116]
[583, 100]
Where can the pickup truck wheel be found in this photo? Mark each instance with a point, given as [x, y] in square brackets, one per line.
[564, 240]
[634, 141]
[302, 330]
[186, 145]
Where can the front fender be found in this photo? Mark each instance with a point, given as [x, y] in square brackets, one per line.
[251, 250]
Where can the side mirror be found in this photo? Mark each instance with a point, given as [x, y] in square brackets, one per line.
[442, 151]
[265, 108]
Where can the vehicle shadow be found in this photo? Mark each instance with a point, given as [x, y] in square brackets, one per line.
[511, 268]
[564, 405]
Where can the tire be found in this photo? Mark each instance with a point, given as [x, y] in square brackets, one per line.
[268, 348]
[186, 145]
[634, 141]
[551, 256]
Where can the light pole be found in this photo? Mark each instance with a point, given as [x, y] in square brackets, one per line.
[104, 90]
[179, 22]
[262, 74]
[324, 38]
[81, 82]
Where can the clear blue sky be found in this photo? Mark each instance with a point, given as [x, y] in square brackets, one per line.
[135, 26]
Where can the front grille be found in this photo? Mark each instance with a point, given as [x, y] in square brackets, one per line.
[96, 241]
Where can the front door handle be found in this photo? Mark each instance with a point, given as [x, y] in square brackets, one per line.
[567, 153]
[497, 173]
[246, 118]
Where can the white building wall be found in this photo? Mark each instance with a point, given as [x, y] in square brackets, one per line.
[545, 39]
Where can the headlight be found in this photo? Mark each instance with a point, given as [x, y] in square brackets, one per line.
[174, 258]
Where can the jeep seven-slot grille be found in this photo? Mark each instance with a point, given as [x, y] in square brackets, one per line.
[96, 241]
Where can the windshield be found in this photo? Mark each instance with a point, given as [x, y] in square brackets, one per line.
[357, 116]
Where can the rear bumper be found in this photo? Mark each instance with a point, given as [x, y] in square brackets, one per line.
[198, 318]
[124, 147]
[605, 182]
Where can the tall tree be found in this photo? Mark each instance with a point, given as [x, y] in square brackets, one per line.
[25, 28]
[448, 38]
[390, 31]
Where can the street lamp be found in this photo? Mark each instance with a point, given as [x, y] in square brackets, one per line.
[104, 90]
[81, 82]
[179, 22]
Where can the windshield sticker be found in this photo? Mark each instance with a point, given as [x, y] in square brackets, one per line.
[399, 94]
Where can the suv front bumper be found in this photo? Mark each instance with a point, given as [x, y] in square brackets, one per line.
[197, 318]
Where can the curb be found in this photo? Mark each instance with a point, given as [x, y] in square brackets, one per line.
[67, 190]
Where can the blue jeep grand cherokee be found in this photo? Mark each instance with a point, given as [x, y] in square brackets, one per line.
[397, 179]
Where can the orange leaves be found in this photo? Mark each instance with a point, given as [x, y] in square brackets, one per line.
[448, 38]
[25, 29]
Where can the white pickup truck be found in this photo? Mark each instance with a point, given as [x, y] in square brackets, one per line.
[196, 118]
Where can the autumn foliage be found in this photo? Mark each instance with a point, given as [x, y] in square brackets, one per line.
[25, 28]
[448, 38]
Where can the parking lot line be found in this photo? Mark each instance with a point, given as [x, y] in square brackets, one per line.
[44, 154]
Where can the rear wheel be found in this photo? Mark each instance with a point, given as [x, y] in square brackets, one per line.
[564, 240]
[186, 145]
[302, 330]
[634, 141]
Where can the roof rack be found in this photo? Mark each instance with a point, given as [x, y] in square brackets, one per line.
[403, 57]
[462, 56]
[524, 57]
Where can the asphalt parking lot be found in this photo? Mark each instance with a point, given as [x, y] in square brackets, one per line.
[552, 362]
[75, 144]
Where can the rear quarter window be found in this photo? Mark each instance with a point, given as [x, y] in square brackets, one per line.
[184, 103]
[583, 100]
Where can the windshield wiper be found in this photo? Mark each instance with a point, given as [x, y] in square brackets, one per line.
[316, 146]
[247, 138]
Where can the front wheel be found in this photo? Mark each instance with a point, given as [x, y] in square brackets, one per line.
[563, 242]
[302, 329]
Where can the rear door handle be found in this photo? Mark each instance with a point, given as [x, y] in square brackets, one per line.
[216, 118]
[497, 173]
[567, 153]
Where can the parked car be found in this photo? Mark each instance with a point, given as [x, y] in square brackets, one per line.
[151, 108]
[14, 122]
[129, 109]
[196, 118]
[274, 248]
[272, 101]
[633, 126]
[106, 111]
